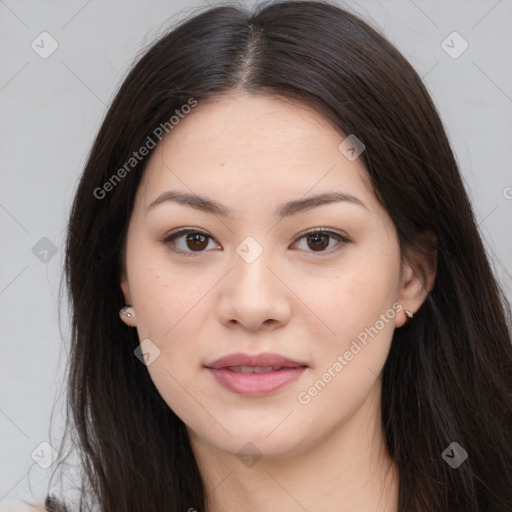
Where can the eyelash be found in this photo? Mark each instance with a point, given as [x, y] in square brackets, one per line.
[173, 236]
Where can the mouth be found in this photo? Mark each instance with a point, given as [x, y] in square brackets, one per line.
[256, 369]
[255, 375]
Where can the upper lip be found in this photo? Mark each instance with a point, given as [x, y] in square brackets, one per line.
[264, 359]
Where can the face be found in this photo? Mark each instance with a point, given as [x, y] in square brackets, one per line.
[250, 278]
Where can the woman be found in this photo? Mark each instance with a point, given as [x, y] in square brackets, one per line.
[280, 297]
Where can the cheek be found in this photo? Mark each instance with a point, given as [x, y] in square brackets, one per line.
[360, 310]
[347, 364]
[357, 292]
[161, 294]
[171, 308]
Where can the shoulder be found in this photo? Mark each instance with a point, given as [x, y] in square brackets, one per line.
[28, 508]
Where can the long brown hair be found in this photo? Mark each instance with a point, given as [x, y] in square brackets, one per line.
[448, 376]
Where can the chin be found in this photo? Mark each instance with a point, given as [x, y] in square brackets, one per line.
[248, 439]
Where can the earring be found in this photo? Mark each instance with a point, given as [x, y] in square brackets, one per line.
[409, 313]
[124, 311]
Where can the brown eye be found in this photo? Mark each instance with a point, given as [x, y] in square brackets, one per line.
[187, 242]
[318, 240]
[196, 241]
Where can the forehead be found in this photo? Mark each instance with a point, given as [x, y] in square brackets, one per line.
[225, 115]
[269, 145]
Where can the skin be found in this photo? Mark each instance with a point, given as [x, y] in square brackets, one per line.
[253, 153]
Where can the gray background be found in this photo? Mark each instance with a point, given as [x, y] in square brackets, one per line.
[51, 109]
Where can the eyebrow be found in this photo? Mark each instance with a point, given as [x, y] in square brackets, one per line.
[207, 205]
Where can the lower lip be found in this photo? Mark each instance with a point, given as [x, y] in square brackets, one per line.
[256, 384]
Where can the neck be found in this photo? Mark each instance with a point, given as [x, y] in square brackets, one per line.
[349, 470]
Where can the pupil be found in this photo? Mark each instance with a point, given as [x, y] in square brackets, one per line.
[193, 239]
[316, 241]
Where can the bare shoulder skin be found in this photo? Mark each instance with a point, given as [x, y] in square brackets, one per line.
[27, 508]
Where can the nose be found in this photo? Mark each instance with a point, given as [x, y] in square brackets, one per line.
[253, 295]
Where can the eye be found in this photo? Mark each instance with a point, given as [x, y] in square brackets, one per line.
[319, 239]
[194, 241]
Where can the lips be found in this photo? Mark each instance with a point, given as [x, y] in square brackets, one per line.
[253, 369]
[255, 375]
[264, 360]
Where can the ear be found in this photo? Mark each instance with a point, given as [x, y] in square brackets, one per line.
[125, 287]
[418, 275]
